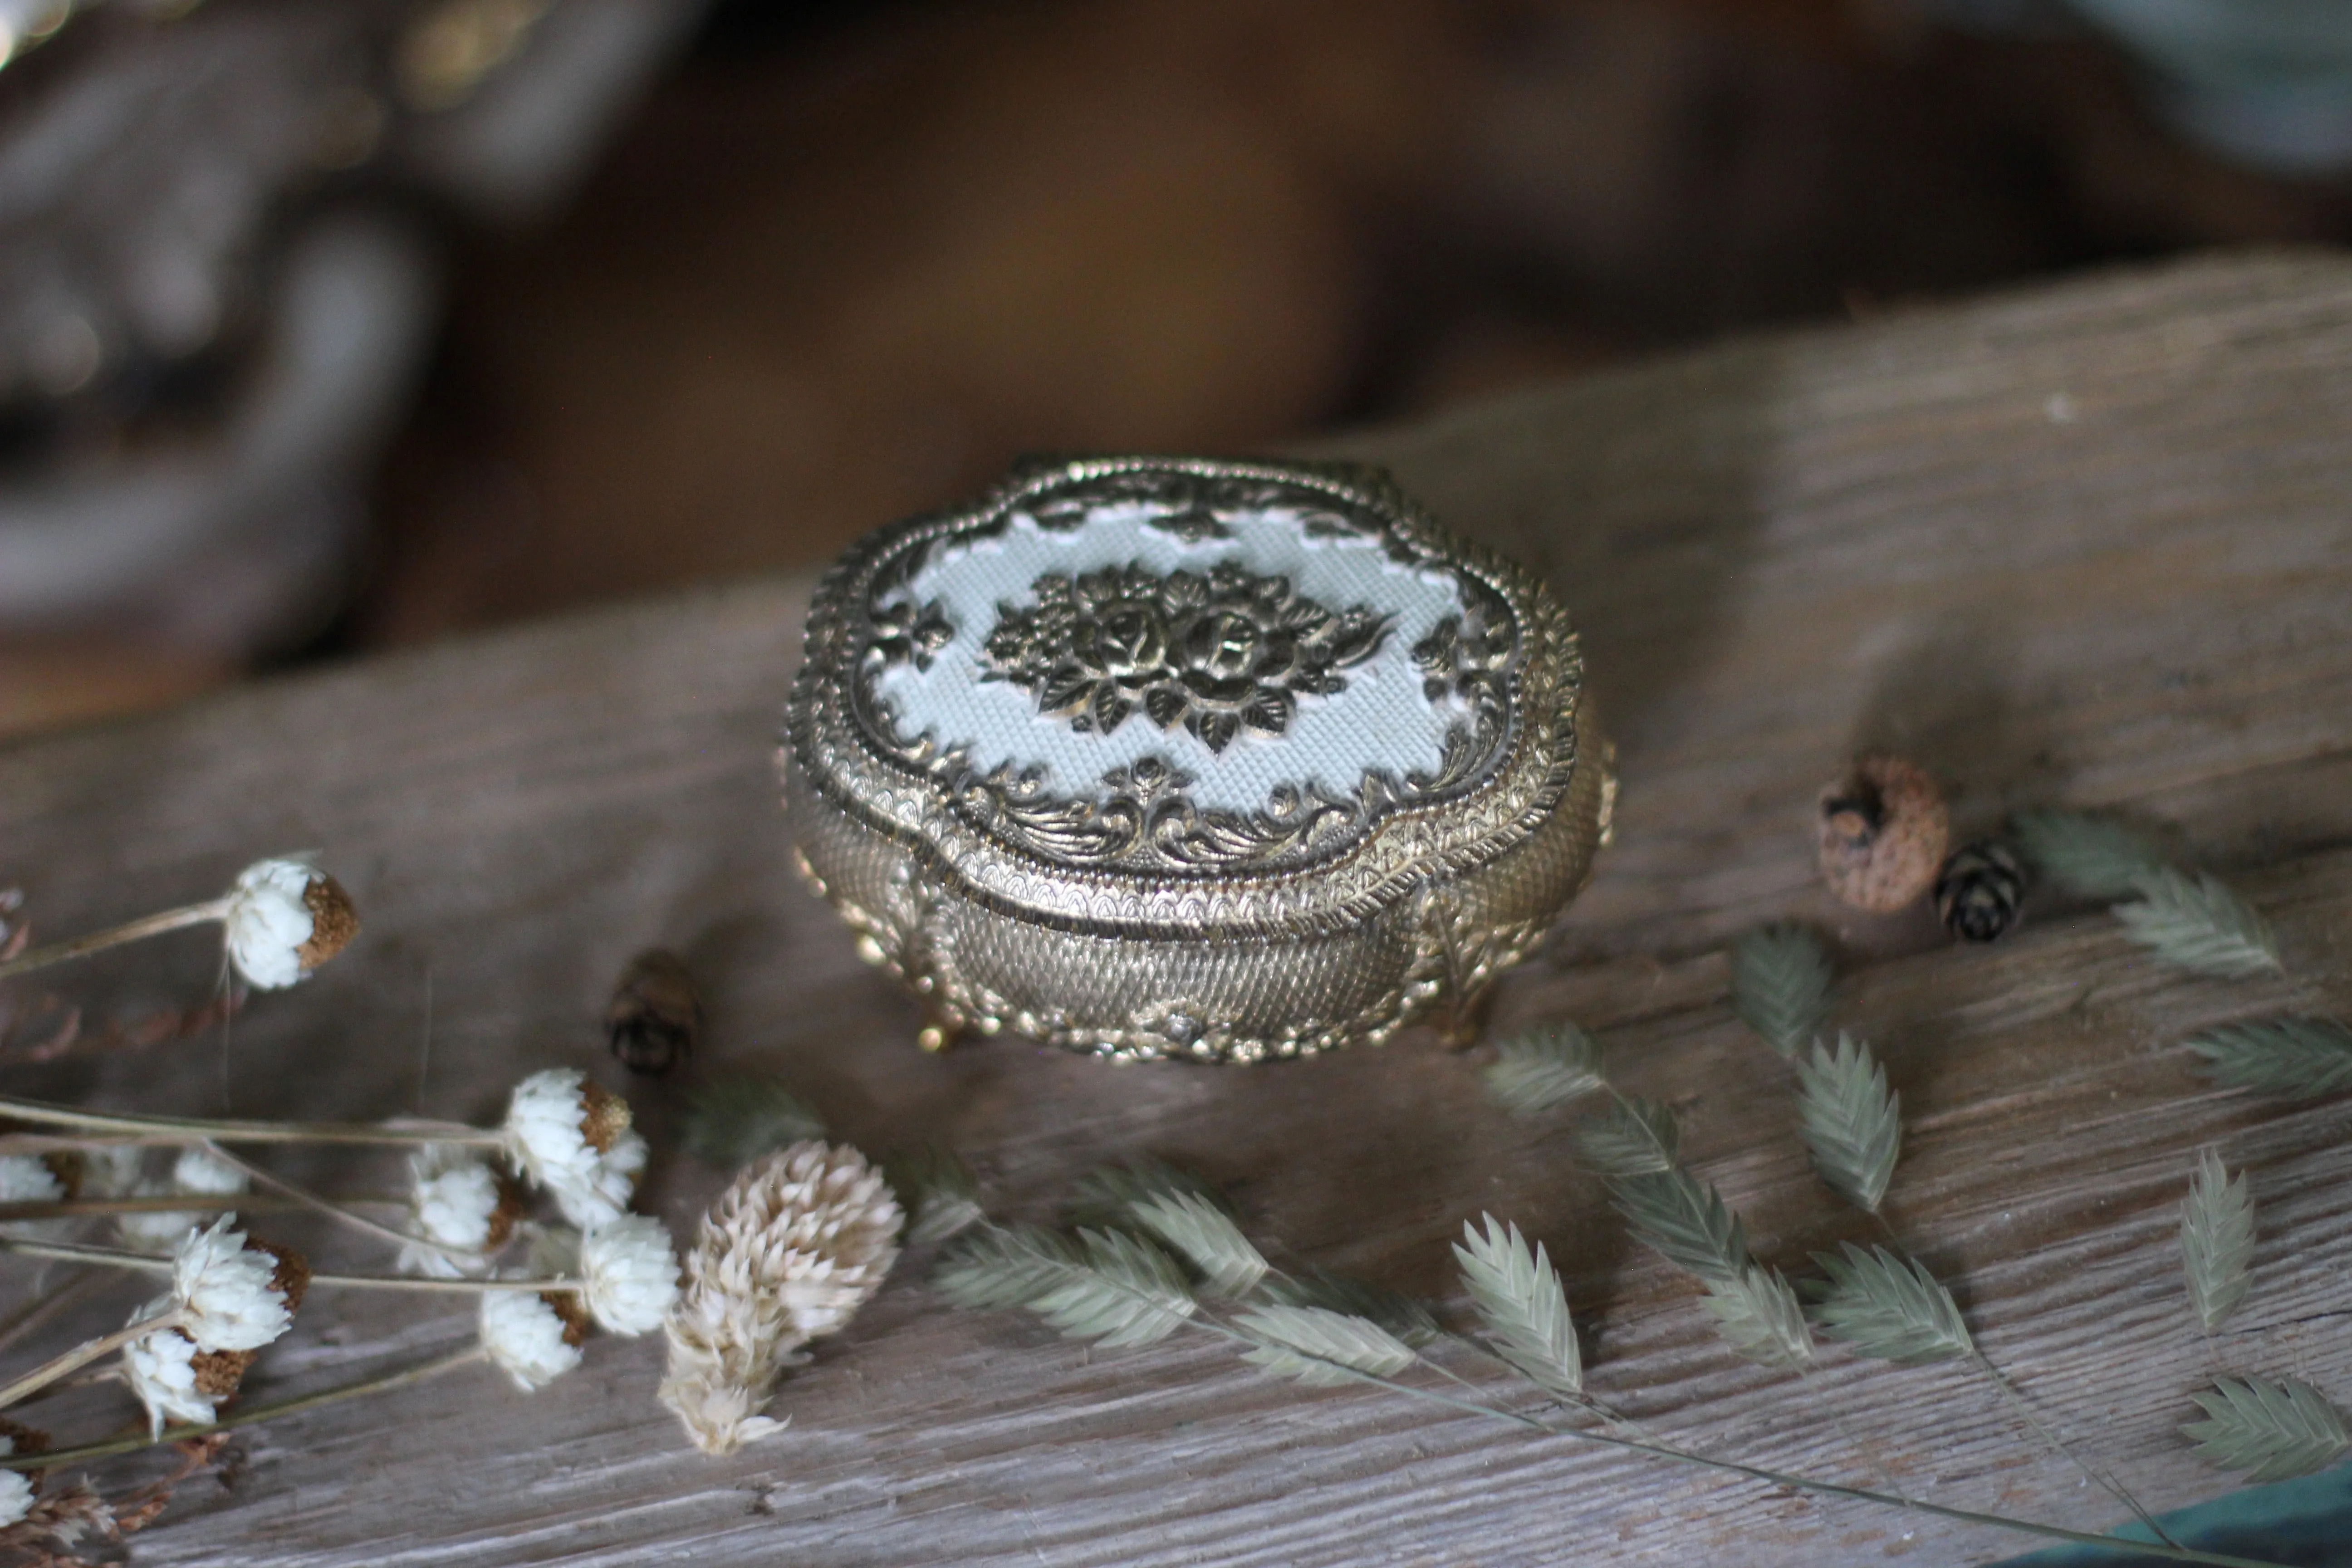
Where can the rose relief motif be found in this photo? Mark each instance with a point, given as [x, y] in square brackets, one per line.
[1216, 653]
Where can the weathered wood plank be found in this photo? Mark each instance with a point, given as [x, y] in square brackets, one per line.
[1779, 550]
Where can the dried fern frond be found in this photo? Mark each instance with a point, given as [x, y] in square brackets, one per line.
[1849, 1121]
[1522, 1304]
[1757, 1314]
[1631, 1138]
[1124, 1291]
[2272, 1431]
[1314, 1345]
[1207, 1238]
[1684, 1221]
[735, 1119]
[1400, 1314]
[2217, 1240]
[1107, 1195]
[1780, 985]
[1000, 1266]
[938, 1192]
[1544, 1069]
[1887, 1306]
[2090, 856]
[2297, 1058]
[2200, 926]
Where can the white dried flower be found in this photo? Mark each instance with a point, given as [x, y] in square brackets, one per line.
[27, 1179]
[15, 1494]
[573, 1137]
[456, 1202]
[197, 1170]
[226, 1292]
[161, 1369]
[527, 1339]
[111, 1170]
[282, 920]
[630, 1273]
[790, 1251]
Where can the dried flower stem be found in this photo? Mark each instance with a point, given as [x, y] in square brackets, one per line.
[2098, 1478]
[188, 1129]
[250, 1415]
[88, 1351]
[149, 1263]
[325, 1205]
[116, 936]
[175, 1203]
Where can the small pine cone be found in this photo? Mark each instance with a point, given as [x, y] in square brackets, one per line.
[1979, 890]
[1883, 835]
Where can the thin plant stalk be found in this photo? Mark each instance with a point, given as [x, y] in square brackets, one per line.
[116, 936]
[2166, 1553]
[172, 1203]
[246, 1417]
[328, 1207]
[149, 1263]
[2105, 1482]
[88, 1351]
[191, 1129]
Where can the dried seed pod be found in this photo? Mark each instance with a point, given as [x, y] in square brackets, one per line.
[1979, 890]
[1883, 835]
[655, 1016]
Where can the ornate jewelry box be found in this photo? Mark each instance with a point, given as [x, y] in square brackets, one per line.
[1170, 757]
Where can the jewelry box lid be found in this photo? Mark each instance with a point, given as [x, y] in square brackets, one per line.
[1162, 696]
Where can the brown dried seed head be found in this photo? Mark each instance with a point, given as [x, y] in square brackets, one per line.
[291, 1278]
[334, 921]
[25, 1439]
[1883, 831]
[513, 1204]
[67, 1166]
[604, 1117]
[220, 1373]
[568, 1305]
[656, 1015]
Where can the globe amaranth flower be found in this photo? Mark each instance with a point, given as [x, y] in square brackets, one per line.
[18, 1488]
[573, 1137]
[630, 1274]
[196, 1170]
[230, 1295]
[796, 1243]
[282, 920]
[455, 1201]
[29, 1179]
[527, 1339]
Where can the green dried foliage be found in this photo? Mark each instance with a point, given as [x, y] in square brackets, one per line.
[2199, 926]
[2090, 856]
[1318, 1346]
[734, 1119]
[1631, 1138]
[1544, 1069]
[1757, 1314]
[2272, 1431]
[1400, 1314]
[1888, 1307]
[2217, 1240]
[1124, 1291]
[1684, 1221]
[2297, 1058]
[1000, 1266]
[1206, 1237]
[1849, 1121]
[1520, 1301]
[938, 1192]
[1780, 985]
[1106, 1197]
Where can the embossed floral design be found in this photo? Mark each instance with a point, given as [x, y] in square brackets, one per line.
[1462, 659]
[908, 633]
[1215, 652]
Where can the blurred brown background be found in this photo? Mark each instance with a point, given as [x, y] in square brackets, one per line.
[839, 263]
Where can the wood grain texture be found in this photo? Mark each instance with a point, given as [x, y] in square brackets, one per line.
[2088, 544]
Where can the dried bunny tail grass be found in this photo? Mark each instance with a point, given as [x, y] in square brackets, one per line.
[793, 1246]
